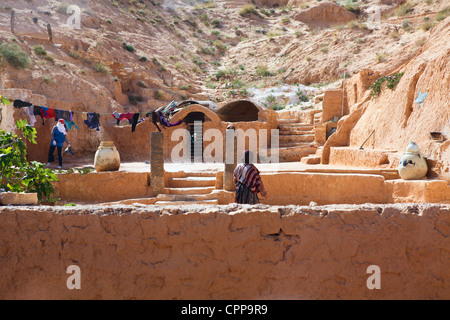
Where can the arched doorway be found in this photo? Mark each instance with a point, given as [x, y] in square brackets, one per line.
[194, 122]
[198, 119]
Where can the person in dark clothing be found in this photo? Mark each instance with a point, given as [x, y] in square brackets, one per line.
[248, 181]
[59, 136]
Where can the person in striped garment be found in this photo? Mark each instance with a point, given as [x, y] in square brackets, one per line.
[248, 181]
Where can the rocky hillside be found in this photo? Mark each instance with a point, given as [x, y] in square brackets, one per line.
[143, 53]
[137, 55]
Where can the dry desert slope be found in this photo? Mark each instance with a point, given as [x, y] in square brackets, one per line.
[131, 55]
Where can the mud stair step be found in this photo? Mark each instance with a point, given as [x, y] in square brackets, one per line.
[191, 182]
[295, 131]
[311, 159]
[296, 125]
[182, 203]
[189, 190]
[294, 138]
[177, 199]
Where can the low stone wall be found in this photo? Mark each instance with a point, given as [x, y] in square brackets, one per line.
[225, 252]
[300, 188]
[105, 186]
[284, 188]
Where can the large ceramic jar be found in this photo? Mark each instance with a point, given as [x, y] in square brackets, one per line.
[107, 158]
[413, 165]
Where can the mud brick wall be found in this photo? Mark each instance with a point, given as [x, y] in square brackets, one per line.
[226, 252]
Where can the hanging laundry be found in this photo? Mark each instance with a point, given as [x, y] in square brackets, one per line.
[30, 113]
[157, 116]
[129, 116]
[116, 115]
[59, 114]
[37, 111]
[48, 113]
[21, 104]
[134, 121]
[164, 122]
[70, 125]
[154, 119]
[92, 120]
[68, 118]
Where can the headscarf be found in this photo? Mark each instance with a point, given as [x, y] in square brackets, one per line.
[61, 127]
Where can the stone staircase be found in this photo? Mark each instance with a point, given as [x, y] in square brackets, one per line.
[314, 158]
[189, 188]
[296, 140]
[317, 118]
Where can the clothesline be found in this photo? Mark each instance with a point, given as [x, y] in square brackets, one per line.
[101, 113]
[91, 119]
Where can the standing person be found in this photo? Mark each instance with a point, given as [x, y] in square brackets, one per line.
[59, 136]
[248, 181]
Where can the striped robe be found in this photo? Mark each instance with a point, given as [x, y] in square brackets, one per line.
[248, 184]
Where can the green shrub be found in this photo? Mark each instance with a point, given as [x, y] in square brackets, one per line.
[216, 23]
[247, 10]
[404, 9]
[15, 56]
[62, 8]
[100, 67]
[379, 57]
[74, 54]
[159, 94]
[209, 50]
[134, 99]
[443, 14]
[19, 175]
[40, 50]
[219, 45]
[427, 25]
[50, 58]
[391, 83]
[236, 84]
[47, 79]
[302, 97]
[263, 71]
[285, 20]
[128, 47]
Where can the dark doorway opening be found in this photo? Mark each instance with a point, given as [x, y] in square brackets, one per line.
[194, 121]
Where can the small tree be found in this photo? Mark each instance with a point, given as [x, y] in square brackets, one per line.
[17, 174]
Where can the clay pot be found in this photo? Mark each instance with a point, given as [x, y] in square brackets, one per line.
[107, 158]
[413, 165]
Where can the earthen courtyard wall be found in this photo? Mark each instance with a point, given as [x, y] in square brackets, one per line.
[225, 252]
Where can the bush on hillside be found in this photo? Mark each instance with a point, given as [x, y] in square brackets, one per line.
[15, 56]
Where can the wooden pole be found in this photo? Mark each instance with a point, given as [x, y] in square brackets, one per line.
[12, 20]
[361, 147]
[49, 30]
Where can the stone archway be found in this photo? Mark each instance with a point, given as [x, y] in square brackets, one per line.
[239, 111]
[198, 119]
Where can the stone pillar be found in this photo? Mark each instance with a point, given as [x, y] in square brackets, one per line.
[157, 162]
[230, 154]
